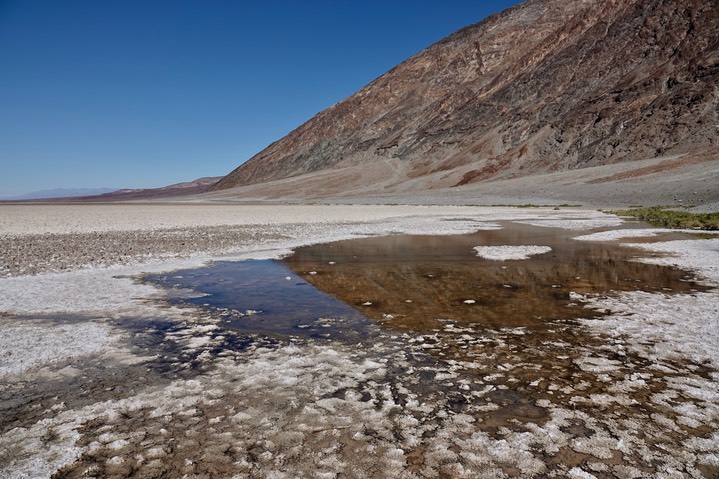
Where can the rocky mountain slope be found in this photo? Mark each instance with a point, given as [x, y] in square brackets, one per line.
[546, 86]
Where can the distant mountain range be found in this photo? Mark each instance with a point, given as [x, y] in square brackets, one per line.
[546, 86]
[197, 186]
[61, 193]
[604, 100]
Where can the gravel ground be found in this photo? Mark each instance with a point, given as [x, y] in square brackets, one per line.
[32, 254]
[43, 238]
[23, 219]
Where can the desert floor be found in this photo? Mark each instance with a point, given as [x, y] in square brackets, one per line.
[101, 377]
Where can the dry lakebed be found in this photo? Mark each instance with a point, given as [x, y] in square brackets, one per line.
[281, 341]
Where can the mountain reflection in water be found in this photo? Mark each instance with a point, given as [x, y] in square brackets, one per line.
[414, 282]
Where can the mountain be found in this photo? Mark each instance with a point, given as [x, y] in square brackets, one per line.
[62, 193]
[546, 86]
[176, 190]
[187, 188]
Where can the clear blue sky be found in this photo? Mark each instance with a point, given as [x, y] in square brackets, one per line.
[106, 93]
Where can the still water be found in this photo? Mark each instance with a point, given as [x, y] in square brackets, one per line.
[346, 289]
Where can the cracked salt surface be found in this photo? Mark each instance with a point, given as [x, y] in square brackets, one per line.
[556, 402]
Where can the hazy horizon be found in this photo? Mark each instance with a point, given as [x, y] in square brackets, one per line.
[146, 94]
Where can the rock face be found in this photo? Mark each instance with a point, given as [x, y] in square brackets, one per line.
[548, 85]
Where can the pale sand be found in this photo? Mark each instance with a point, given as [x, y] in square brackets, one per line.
[324, 409]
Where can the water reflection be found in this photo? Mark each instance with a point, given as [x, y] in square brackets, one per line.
[418, 284]
[507, 328]
[264, 297]
[415, 282]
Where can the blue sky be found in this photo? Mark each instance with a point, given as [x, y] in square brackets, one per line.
[134, 94]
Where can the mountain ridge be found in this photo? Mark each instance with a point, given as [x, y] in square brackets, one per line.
[534, 89]
[84, 195]
[60, 193]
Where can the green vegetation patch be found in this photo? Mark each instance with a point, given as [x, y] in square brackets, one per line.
[667, 218]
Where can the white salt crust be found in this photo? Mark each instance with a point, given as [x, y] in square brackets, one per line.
[40, 219]
[612, 235]
[283, 403]
[576, 223]
[311, 402]
[28, 344]
[508, 252]
[664, 326]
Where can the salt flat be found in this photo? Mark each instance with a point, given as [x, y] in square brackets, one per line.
[101, 377]
[21, 219]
